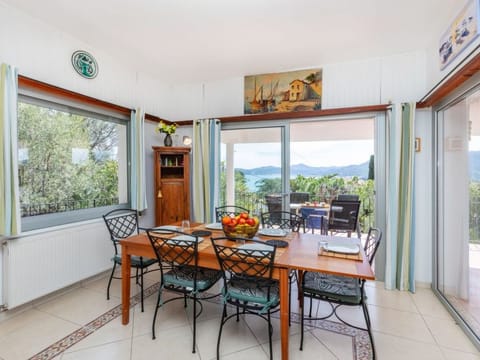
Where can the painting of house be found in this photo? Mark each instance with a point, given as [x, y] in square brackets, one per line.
[283, 92]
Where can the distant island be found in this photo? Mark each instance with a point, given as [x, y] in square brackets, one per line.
[360, 170]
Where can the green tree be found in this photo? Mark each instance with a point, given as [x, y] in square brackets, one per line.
[50, 172]
[371, 168]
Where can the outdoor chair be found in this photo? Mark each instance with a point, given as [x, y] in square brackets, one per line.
[228, 210]
[122, 223]
[299, 197]
[339, 290]
[343, 217]
[348, 197]
[177, 256]
[247, 281]
[274, 202]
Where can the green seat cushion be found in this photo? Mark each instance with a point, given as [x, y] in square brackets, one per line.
[135, 261]
[184, 276]
[332, 287]
[253, 290]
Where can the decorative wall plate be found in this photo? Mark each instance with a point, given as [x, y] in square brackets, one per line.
[84, 64]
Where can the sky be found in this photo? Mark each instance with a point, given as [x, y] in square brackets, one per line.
[321, 153]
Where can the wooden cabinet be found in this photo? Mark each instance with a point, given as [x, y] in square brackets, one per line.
[172, 184]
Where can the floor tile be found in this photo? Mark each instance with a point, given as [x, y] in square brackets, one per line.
[400, 323]
[79, 306]
[174, 343]
[449, 335]
[450, 354]
[119, 350]
[400, 348]
[30, 332]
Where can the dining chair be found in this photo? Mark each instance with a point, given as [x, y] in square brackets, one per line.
[247, 281]
[228, 210]
[177, 256]
[122, 223]
[286, 221]
[340, 290]
[282, 220]
[343, 217]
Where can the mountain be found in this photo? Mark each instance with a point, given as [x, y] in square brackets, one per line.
[360, 170]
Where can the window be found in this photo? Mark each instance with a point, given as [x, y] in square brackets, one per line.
[72, 162]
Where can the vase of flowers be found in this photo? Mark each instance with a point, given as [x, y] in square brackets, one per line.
[167, 129]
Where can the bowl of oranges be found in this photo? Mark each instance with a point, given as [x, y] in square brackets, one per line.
[241, 225]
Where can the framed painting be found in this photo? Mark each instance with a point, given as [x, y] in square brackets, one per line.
[283, 92]
[461, 32]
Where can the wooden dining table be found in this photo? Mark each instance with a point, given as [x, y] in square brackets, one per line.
[301, 254]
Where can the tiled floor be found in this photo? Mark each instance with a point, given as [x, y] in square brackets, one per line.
[406, 326]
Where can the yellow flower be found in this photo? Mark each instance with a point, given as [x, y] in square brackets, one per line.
[167, 129]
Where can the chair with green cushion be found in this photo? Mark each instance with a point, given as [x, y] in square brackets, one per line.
[122, 223]
[340, 290]
[177, 255]
[286, 221]
[247, 281]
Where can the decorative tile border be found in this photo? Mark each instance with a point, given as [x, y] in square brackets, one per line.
[360, 339]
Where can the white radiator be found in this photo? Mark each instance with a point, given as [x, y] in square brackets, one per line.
[38, 264]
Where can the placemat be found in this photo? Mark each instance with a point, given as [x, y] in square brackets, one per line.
[357, 257]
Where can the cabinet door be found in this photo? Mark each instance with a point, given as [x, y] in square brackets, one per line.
[172, 202]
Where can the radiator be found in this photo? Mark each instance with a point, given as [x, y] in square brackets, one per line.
[38, 264]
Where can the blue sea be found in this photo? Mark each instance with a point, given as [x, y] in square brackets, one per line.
[251, 179]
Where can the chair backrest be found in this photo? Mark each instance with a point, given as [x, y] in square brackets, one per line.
[372, 243]
[228, 210]
[281, 220]
[343, 215]
[121, 223]
[348, 197]
[174, 249]
[274, 202]
[299, 197]
[244, 263]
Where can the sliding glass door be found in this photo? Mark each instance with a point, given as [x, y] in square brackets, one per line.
[252, 167]
[457, 271]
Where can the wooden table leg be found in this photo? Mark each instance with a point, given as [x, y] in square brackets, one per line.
[284, 312]
[126, 263]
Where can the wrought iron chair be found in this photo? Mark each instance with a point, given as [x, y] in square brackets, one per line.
[221, 211]
[343, 217]
[122, 223]
[282, 220]
[247, 281]
[177, 255]
[286, 221]
[340, 290]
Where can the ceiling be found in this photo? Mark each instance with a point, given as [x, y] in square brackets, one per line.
[193, 41]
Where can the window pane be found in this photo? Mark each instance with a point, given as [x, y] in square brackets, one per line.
[69, 161]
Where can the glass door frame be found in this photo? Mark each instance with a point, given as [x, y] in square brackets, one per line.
[380, 159]
[460, 94]
[284, 127]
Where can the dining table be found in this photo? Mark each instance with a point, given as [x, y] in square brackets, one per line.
[301, 254]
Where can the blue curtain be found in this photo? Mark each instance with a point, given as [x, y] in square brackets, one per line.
[206, 168]
[9, 190]
[138, 196]
[400, 244]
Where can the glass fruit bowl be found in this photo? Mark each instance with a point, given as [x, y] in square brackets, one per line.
[238, 226]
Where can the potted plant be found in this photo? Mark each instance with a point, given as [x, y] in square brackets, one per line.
[167, 129]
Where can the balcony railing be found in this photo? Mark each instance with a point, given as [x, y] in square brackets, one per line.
[64, 205]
